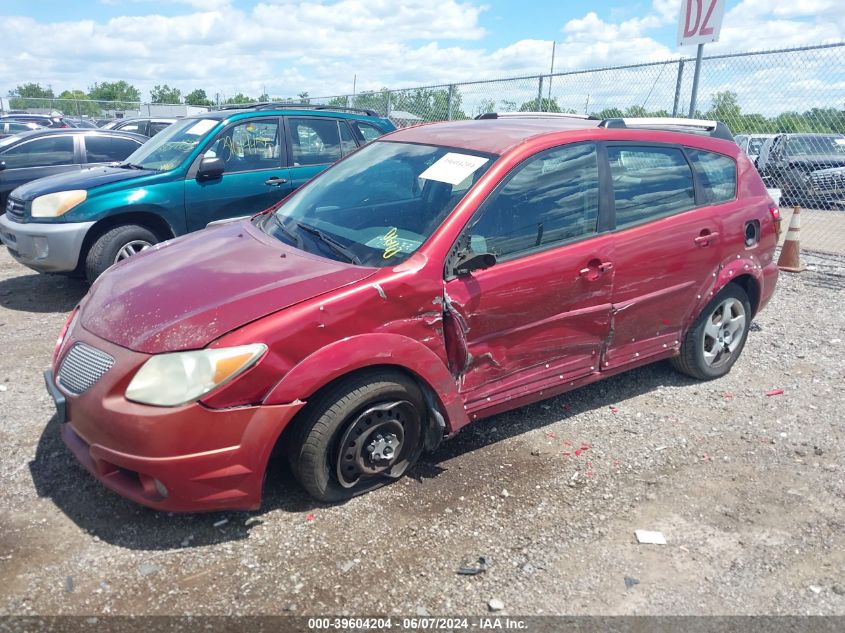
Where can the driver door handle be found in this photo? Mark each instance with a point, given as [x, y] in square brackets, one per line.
[275, 181]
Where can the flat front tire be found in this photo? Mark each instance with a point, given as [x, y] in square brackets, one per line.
[716, 339]
[359, 434]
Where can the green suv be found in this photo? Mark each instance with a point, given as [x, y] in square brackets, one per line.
[219, 165]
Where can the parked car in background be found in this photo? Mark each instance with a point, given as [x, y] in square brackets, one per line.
[45, 152]
[10, 128]
[44, 120]
[441, 275]
[752, 143]
[809, 169]
[146, 126]
[82, 122]
[202, 169]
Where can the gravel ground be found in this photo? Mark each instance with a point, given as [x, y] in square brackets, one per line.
[747, 489]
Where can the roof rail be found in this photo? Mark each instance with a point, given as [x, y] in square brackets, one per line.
[534, 115]
[267, 105]
[714, 129]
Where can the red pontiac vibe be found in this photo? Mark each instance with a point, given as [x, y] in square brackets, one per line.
[439, 275]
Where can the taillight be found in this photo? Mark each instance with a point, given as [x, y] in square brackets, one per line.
[65, 328]
[775, 213]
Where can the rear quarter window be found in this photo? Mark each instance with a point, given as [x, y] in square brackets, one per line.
[717, 174]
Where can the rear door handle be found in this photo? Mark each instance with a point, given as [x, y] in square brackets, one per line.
[275, 181]
[706, 239]
[595, 269]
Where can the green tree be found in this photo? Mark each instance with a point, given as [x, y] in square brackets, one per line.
[303, 97]
[484, 106]
[124, 95]
[540, 105]
[30, 95]
[239, 99]
[725, 107]
[197, 98]
[609, 113]
[77, 102]
[166, 94]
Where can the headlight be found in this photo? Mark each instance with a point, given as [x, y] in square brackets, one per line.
[55, 204]
[169, 380]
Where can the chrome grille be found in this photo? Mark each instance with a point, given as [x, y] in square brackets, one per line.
[82, 368]
[15, 208]
[828, 180]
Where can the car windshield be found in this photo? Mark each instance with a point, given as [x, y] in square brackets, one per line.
[378, 206]
[169, 148]
[810, 145]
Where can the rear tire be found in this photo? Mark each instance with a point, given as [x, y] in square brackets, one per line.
[115, 245]
[714, 342]
[359, 435]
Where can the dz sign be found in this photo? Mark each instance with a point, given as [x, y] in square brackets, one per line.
[700, 21]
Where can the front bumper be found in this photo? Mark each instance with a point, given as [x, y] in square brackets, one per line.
[177, 459]
[47, 248]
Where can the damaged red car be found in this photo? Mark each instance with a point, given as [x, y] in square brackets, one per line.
[439, 275]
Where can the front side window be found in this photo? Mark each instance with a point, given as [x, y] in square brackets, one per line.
[550, 198]
[649, 183]
[138, 127]
[173, 145]
[716, 173]
[42, 152]
[248, 146]
[314, 141]
[378, 206]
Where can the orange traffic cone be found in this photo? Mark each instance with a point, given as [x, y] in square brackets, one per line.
[790, 253]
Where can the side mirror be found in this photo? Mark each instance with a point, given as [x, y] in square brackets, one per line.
[476, 261]
[211, 168]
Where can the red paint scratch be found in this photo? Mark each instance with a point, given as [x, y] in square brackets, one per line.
[774, 392]
[614, 409]
[310, 516]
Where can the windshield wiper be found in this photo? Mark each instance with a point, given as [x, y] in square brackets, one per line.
[128, 166]
[296, 239]
[336, 246]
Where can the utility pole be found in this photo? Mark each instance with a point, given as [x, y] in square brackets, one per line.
[552, 71]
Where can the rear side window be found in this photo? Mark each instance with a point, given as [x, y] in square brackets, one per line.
[717, 174]
[42, 152]
[139, 127]
[550, 198]
[108, 149]
[156, 127]
[314, 141]
[368, 132]
[649, 183]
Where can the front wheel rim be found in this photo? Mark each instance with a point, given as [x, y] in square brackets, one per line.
[131, 248]
[377, 442]
[723, 332]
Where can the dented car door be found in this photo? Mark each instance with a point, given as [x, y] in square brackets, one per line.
[541, 314]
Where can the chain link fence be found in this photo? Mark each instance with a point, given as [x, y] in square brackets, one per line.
[785, 107]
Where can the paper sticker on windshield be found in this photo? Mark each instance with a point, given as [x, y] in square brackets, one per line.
[201, 127]
[453, 168]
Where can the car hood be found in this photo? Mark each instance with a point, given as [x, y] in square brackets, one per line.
[185, 293]
[83, 179]
[817, 161]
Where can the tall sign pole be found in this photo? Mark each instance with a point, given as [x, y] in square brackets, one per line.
[699, 23]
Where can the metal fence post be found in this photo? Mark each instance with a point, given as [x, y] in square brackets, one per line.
[695, 80]
[540, 95]
[449, 103]
[678, 88]
[389, 104]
